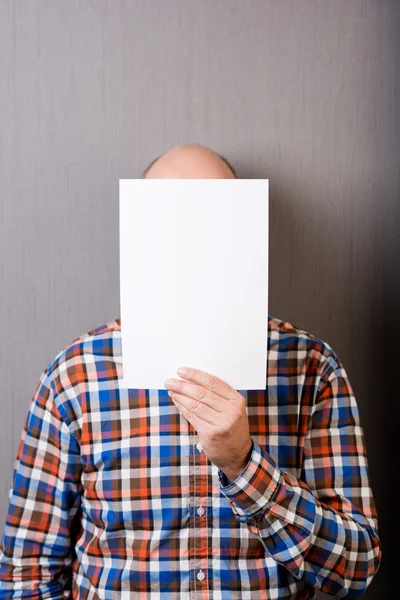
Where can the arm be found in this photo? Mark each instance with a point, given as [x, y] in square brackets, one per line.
[322, 526]
[36, 550]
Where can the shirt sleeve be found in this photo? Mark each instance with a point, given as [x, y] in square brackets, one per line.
[322, 526]
[36, 550]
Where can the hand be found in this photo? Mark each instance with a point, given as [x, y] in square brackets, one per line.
[218, 413]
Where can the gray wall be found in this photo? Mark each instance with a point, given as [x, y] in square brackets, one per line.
[304, 93]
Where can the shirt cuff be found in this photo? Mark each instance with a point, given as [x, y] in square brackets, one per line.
[253, 491]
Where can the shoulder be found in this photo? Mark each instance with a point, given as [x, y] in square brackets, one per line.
[99, 342]
[81, 366]
[286, 332]
[301, 349]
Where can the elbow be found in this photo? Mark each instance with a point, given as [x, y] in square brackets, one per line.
[365, 568]
[350, 577]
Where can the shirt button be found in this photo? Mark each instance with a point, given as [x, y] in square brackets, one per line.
[200, 575]
[200, 511]
[199, 447]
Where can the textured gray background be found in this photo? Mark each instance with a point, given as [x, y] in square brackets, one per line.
[303, 93]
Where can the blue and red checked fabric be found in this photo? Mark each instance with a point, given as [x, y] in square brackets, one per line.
[113, 497]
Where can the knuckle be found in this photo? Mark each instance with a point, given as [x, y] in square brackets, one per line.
[239, 406]
[236, 416]
[200, 392]
[223, 429]
[212, 381]
[195, 406]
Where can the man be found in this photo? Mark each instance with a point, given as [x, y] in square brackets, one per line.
[207, 493]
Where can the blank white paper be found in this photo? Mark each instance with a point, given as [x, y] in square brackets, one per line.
[194, 280]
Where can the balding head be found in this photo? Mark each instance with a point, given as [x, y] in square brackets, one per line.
[190, 161]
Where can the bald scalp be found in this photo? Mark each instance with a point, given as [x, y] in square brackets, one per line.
[190, 161]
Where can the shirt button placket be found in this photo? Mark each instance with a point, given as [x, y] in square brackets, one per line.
[200, 511]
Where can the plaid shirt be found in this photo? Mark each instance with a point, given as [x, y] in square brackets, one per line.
[113, 497]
